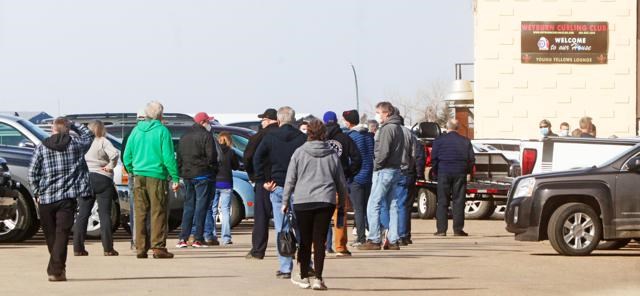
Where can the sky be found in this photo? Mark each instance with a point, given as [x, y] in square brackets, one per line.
[238, 56]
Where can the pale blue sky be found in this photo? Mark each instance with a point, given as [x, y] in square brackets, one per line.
[225, 56]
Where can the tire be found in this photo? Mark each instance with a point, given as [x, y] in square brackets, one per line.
[478, 209]
[612, 245]
[574, 229]
[94, 225]
[237, 210]
[426, 204]
[499, 212]
[24, 223]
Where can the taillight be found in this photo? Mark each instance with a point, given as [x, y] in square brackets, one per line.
[427, 153]
[529, 157]
[125, 177]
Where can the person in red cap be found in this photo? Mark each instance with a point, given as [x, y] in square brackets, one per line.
[198, 166]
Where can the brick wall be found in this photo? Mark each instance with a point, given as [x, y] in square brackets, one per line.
[511, 98]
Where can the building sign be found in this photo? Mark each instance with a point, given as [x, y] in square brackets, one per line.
[564, 42]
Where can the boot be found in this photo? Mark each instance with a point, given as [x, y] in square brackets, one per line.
[162, 253]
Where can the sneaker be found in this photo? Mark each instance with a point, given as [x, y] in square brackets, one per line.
[283, 275]
[213, 242]
[198, 245]
[181, 244]
[58, 278]
[250, 256]
[344, 253]
[318, 285]
[111, 253]
[369, 245]
[300, 282]
[227, 244]
[460, 233]
[162, 253]
[81, 253]
[403, 242]
[356, 244]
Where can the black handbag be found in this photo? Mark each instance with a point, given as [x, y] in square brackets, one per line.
[287, 242]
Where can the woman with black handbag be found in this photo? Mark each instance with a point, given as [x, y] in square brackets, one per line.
[314, 177]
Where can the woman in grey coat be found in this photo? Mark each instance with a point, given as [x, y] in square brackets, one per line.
[314, 177]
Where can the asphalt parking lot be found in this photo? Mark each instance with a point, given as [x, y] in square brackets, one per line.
[489, 262]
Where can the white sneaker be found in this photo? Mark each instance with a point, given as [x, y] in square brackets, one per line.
[354, 232]
[318, 285]
[297, 280]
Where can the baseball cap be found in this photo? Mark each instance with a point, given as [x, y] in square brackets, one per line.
[202, 116]
[269, 114]
[330, 116]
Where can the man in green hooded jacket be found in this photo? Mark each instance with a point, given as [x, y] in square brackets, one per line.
[150, 156]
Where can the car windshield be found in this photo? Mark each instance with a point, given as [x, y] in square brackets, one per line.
[618, 156]
[38, 132]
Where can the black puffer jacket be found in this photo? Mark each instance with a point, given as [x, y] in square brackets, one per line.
[345, 147]
[276, 149]
[250, 152]
[227, 165]
[197, 155]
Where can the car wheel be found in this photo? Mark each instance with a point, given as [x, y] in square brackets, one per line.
[236, 213]
[611, 245]
[574, 229]
[93, 227]
[23, 224]
[426, 204]
[478, 209]
[499, 212]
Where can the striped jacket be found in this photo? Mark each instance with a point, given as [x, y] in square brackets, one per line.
[58, 170]
[365, 143]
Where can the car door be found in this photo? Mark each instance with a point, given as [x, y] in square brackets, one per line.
[627, 200]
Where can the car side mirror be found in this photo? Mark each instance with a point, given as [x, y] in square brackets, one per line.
[27, 144]
[634, 165]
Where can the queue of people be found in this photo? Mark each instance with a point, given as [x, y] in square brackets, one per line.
[311, 172]
[586, 129]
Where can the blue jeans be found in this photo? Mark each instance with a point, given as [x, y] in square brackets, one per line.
[196, 200]
[402, 193]
[223, 198]
[286, 263]
[383, 191]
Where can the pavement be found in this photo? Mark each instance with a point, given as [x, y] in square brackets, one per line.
[489, 262]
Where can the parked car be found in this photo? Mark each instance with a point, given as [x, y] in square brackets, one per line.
[576, 209]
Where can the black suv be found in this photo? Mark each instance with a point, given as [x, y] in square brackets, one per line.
[577, 209]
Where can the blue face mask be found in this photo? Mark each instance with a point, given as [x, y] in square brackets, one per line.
[544, 131]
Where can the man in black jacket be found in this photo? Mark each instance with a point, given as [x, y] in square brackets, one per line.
[198, 166]
[351, 163]
[262, 208]
[276, 149]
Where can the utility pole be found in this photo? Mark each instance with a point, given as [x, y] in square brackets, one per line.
[355, 77]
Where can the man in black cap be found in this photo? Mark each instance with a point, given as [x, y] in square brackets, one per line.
[262, 208]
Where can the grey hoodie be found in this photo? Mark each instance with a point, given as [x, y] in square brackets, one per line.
[315, 175]
[389, 145]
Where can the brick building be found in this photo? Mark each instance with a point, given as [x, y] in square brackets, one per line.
[522, 75]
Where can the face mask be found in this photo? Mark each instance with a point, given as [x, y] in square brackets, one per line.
[544, 131]
[303, 130]
[564, 133]
[207, 127]
[378, 118]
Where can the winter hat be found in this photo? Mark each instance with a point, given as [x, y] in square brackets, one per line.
[351, 116]
[330, 116]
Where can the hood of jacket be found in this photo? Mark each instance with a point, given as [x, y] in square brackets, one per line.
[393, 119]
[287, 133]
[333, 129]
[317, 149]
[360, 129]
[57, 142]
[148, 125]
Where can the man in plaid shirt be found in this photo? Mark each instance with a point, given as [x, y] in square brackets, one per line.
[58, 176]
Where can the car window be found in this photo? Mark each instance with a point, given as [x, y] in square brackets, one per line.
[9, 136]
[34, 129]
[625, 166]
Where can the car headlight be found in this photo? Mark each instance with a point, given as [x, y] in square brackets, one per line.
[524, 188]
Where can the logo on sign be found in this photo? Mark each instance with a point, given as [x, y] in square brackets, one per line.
[543, 44]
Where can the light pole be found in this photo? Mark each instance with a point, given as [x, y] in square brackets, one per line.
[355, 77]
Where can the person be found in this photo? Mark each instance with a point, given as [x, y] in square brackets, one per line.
[452, 158]
[360, 187]
[545, 129]
[351, 163]
[576, 133]
[315, 177]
[389, 146]
[58, 175]
[276, 150]
[198, 166]
[564, 130]
[373, 126]
[150, 156]
[586, 127]
[101, 158]
[224, 189]
[412, 164]
[303, 127]
[262, 207]
[140, 116]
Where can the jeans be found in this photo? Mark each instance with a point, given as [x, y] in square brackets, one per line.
[104, 193]
[454, 187]
[286, 263]
[312, 227]
[402, 193]
[56, 220]
[261, 215]
[383, 191]
[329, 243]
[196, 200]
[359, 195]
[222, 198]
